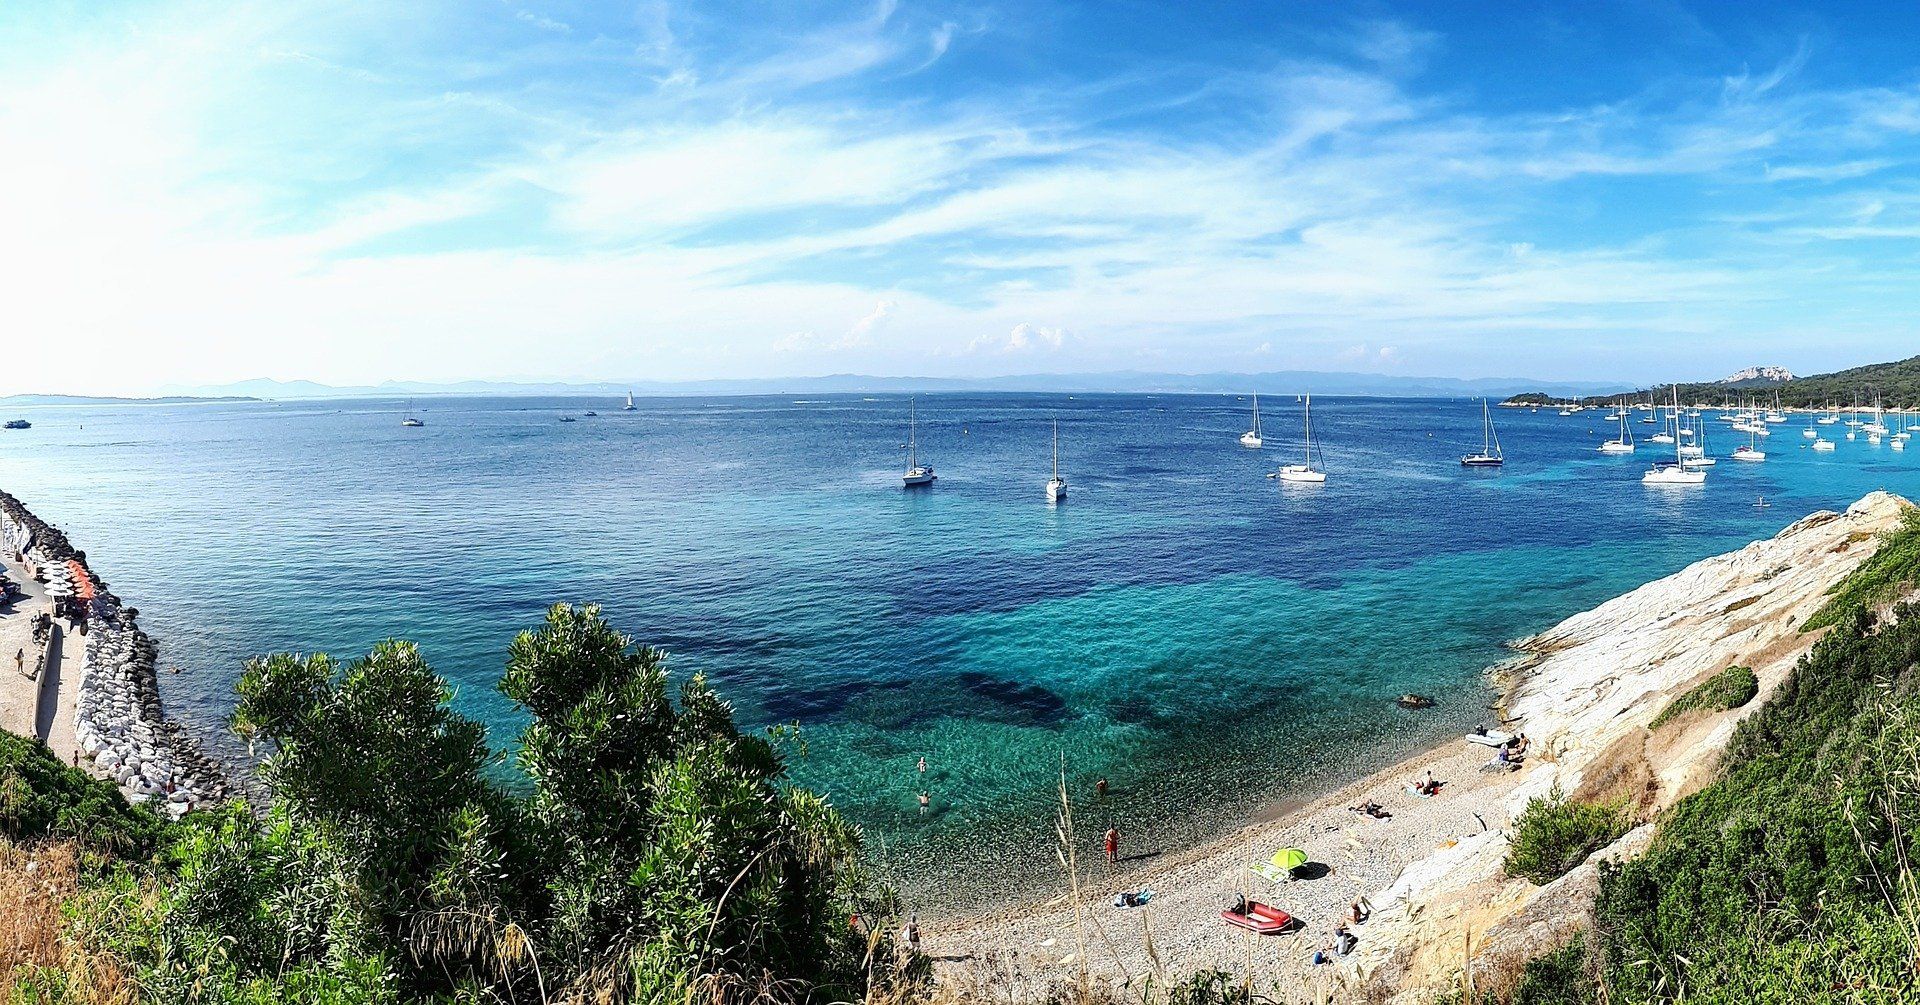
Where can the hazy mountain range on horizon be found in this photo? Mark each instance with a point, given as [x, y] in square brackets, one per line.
[1126, 381]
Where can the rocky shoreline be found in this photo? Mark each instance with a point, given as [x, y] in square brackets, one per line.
[120, 725]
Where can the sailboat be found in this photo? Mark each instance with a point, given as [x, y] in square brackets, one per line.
[1251, 438]
[1750, 451]
[628, 407]
[917, 474]
[412, 421]
[1675, 472]
[1304, 472]
[1489, 455]
[1622, 444]
[1056, 486]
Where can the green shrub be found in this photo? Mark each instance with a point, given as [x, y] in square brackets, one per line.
[656, 853]
[1555, 834]
[43, 798]
[1890, 571]
[1728, 689]
[1789, 877]
[1562, 977]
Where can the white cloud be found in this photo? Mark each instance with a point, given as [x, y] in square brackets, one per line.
[1024, 337]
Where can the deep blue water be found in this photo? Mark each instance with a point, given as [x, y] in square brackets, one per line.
[1207, 638]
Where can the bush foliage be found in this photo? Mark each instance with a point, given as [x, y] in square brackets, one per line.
[1728, 689]
[655, 853]
[1789, 878]
[1892, 570]
[1554, 834]
[43, 798]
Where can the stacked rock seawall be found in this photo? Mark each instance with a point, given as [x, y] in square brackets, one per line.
[119, 724]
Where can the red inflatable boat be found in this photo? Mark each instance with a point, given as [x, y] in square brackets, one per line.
[1263, 919]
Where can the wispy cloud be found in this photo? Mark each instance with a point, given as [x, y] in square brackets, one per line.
[665, 191]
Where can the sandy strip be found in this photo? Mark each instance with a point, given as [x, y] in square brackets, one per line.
[1350, 856]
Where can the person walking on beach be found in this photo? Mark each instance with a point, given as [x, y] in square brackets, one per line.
[1113, 844]
[20, 661]
[911, 933]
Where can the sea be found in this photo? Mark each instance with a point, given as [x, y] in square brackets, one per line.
[1212, 642]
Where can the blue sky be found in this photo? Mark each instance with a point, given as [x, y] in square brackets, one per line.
[351, 192]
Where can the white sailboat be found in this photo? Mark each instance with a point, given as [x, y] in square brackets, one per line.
[1676, 472]
[629, 406]
[1251, 438]
[412, 421]
[1489, 455]
[1056, 486]
[917, 474]
[1306, 471]
[1622, 444]
[1750, 451]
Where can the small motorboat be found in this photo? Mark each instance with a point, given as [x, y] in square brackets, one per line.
[1258, 918]
[567, 418]
[591, 414]
[19, 424]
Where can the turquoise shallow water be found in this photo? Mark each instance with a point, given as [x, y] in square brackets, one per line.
[1208, 639]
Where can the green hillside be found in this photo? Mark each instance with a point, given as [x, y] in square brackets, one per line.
[1897, 384]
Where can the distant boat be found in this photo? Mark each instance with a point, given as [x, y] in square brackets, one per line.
[1056, 486]
[567, 418]
[1762, 503]
[1490, 455]
[1307, 471]
[18, 424]
[628, 407]
[412, 421]
[1251, 438]
[1823, 444]
[1676, 471]
[1750, 451]
[1622, 444]
[591, 415]
[917, 474]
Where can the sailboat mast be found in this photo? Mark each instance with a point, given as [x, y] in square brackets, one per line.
[913, 444]
[1309, 410]
[1056, 450]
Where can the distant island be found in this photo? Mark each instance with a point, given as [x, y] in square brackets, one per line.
[1894, 385]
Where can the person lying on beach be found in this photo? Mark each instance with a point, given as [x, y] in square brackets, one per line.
[1370, 808]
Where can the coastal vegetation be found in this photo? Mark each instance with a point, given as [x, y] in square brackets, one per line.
[1728, 689]
[1790, 877]
[1891, 571]
[1554, 834]
[650, 851]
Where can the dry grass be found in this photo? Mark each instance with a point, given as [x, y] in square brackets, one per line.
[33, 885]
[36, 882]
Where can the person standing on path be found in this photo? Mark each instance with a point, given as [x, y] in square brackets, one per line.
[1113, 844]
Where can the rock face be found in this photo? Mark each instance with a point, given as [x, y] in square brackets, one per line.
[118, 722]
[1758, 375]
[1584, 692]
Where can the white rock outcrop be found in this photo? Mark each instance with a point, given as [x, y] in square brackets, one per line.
[1584, 693]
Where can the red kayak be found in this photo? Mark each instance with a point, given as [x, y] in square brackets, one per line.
[1262, 919]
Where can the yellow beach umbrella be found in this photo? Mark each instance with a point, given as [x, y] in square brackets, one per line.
[1290, 858]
